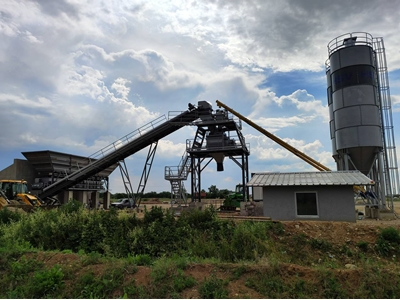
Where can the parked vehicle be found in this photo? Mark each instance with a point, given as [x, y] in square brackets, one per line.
[123, 203]
[14, 193]
[232, 201]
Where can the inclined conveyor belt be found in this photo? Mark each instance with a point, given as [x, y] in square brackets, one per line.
[125, 147]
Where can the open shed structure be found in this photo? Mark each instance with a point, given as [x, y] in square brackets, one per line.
[323, 196]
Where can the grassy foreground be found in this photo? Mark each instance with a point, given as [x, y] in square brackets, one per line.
[75, 253]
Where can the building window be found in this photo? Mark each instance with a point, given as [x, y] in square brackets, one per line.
[306, 204]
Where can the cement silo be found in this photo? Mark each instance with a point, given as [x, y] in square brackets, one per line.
[356, 108]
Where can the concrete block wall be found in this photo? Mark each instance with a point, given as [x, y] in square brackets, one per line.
[252, 208]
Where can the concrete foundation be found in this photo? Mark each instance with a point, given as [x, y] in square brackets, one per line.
[106, 200]
[252, 208]
[65, 196]
[384, 214]
[196, 205]
[192, 205]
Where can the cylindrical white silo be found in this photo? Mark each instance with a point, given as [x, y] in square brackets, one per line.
[331, 119]
[356, 129]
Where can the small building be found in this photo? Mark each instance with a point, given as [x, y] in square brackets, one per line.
[322, 196]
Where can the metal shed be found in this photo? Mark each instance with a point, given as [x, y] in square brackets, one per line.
[323, 196]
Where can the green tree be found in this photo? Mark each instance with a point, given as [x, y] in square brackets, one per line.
[213, 192]
[223, 193]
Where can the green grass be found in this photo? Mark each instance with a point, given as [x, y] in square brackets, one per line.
[121, 245]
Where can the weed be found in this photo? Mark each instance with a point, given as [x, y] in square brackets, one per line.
[82, 287]
[363, 246]
[200, 220]
[322, 245]
[140, 259]
[72, 206]
[134, 291]
[390, 234]
[43, 284]
[89, 286]
[388, 242]
[7, 216]
[180, 261]
[163, 269]
[213, 288]
[270, 284]
[155, 214]
[17, 275]
[181, 281]
[238, 272]
[332, 288]
[67, 251]
[276, 227]
[20, 268]
[169, 279]
[92, 258]
[347, 251]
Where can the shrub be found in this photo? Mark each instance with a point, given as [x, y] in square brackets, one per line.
[275, 227]
[157, 238]
[247, 241]
[332, 288]
[42, 284]
[89, 286]
[72, 206]
[46, 283]
[7, 216]
[363, 246]
[200, 220]
[321, 244]
[169, 278]
[270, 283]
[388, 241]
[390, 234]
[213, 288]
[155, 214]
[140, 259]
[20, 268]
[99, 230]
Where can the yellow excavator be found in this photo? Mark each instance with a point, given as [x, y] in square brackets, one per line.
[14, 193]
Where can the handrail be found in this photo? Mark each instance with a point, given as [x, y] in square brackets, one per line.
[354, 38]
[285, 145]
[127, 138]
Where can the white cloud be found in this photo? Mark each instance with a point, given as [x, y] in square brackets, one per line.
[169, 149]
[84, 74]
[120, 87]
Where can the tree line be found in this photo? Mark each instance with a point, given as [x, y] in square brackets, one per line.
[213, 193]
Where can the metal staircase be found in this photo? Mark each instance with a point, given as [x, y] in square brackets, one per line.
[176, 176]
[128, 145]
[391, 174]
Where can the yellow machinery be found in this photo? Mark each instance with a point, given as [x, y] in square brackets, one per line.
[14, 193]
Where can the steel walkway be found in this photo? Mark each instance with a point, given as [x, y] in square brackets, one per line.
[128, 145]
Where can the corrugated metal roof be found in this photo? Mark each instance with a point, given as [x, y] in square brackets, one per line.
[310, 178]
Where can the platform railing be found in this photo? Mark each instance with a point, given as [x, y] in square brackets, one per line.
[350, 39]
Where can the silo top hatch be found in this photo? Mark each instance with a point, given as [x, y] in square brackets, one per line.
[350, 39]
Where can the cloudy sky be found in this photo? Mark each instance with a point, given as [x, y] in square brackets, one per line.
[78, 75]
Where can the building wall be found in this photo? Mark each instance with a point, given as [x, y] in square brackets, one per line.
[335, 203]
[20, 169]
